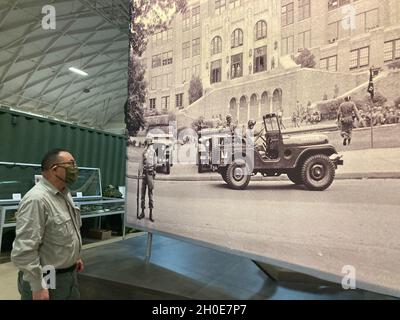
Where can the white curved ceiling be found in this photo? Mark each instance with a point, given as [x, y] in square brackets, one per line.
[91, 35]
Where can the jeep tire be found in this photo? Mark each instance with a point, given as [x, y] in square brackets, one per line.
[223, 172]
[317, 172]
[238, 175]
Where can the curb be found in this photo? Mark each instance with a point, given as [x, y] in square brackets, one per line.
[339, 176]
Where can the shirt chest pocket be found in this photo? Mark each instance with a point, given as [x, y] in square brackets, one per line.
[61, 230]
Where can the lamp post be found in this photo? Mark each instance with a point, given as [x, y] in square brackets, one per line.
[371, 91]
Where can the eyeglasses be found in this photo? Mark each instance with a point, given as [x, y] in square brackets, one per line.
[69, 163]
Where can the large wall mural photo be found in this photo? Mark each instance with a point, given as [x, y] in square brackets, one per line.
[269, 129]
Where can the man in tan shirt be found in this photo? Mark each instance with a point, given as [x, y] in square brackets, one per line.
[48, 232]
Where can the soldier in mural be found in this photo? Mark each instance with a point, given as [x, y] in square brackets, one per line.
[148, 169]
[345, 119]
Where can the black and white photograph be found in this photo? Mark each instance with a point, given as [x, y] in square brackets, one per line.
[270, 129]
[210, 156]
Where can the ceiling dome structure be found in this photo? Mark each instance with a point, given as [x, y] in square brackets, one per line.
[35, 61]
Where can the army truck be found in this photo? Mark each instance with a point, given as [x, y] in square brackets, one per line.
[306, 159]
[163, 145]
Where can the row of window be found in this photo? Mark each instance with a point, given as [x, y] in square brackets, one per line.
[162, 37]
[260, 32]
[192, 16]
[304, 41]
[165, 102]
[363, 22]
[162, 59]
[287, 12]
[259, 65]
[359, 58]
[195, 48]
[163, 81]
[187, 74]
[220, 5]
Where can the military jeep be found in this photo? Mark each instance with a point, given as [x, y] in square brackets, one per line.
[306, 159]
[207, 152]
[163, 146]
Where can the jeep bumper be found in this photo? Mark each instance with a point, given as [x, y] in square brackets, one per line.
[337, 160]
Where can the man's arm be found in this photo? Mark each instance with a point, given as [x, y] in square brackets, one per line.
[30, 227]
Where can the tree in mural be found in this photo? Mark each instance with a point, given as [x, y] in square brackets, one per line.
[147, 17]
[195, 89]
[306, 59]
[133, 110]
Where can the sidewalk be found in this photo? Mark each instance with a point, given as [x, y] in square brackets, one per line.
[358, 164]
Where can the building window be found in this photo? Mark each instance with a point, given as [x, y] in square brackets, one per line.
[260, 59]
[338, 30]
[288, 45]
[196, 47]
[196, 70]
[304, 9]
[216, 45]
[305, 39]
[237, 38]
[371, 20]
[261, 30]
[153, 85]
[186, 21]
[392, 50]
[186, 74]
[237, 66]
[152, 103]
[186, 50]
[234, 4]
[359, 58]
[156, 61]
[165, 102]
[329, 63]
[179, 100]
[333, 33]
[166, 81]
[220, 6]
[162, 37]
[215, 75]
[333, 4]
[196, 17]
[167, 58]
[287, 14]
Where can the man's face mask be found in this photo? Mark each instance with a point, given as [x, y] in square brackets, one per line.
[71, 173]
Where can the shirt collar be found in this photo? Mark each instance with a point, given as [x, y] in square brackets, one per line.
[47, 185]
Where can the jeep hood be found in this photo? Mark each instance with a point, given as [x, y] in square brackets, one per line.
[305, 139]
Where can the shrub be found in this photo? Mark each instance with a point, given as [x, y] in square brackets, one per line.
[306, 59]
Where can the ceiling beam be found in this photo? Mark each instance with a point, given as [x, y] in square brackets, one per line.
[15, 57]
[4, 17]
[44, 54]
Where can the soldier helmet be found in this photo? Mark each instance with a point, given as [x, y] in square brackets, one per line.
[347, 98]
[228, 116]
[251, 123]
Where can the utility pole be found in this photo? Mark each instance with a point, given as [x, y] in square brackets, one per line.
[371, 91]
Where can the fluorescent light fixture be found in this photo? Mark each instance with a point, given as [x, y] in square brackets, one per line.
[77, 71]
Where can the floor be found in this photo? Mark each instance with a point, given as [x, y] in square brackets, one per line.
[182, 270]
[179, 270]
